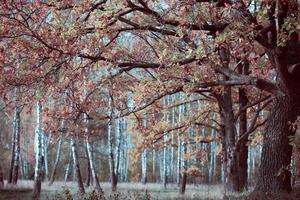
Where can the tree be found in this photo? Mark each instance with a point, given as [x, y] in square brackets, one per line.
[39, 157]
[57, 158]
[176, 46]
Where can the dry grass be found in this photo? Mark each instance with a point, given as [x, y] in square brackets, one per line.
[24, 190]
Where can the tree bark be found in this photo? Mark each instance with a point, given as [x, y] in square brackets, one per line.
[67, 174]
[77, 167]
[91, 163]
[1, 177]
[274, 174]
[88, 169]
[58, 153]
[144, 166]
[184, 173]
[17, 131]
[39, 155]
[242, 148]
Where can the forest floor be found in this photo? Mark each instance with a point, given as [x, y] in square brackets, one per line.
[126, 191]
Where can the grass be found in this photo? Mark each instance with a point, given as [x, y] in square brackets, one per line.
[132, 191]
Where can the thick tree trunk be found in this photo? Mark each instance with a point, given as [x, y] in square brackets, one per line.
[231, 164]
[58, 152]
[77, 167]
[274, 174]
[227, 118]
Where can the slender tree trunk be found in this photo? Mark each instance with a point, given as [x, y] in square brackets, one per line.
[17, 131]
[58, 153]
[144, 166]
[93, 170]
[25, 162]
[10, 175]
[39, 158]
[242, 147]
[88, 169]
[45, 153]
[1, 177]
[113, 176]
[184, 173]
[77, 167]
[165, 177]
[153, 164]
[67, 174]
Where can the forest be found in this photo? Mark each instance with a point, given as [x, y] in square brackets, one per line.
[149, 99]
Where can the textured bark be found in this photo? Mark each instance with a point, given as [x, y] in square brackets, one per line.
[274, 174]
[77, 167]
[242, 148]
[228, 129]
[58, 153]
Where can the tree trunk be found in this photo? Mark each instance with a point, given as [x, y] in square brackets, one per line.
[58, 152]
[17, 131]
[67, 174]
[274, 174]
[77, 167]
[184, 173]
[39, 158]
[91, 163]
[144, 166]
[242, 148]
[1, 177]
[227, 118]
[88, 169]
[45, 153]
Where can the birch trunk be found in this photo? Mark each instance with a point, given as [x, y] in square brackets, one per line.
[45, 153]
[88, 169]
[76, 166]
[91, 163]
[58, 153]
[67, 174]
[39, 158]
[113, 176]
[17, 146]
[144, 167]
